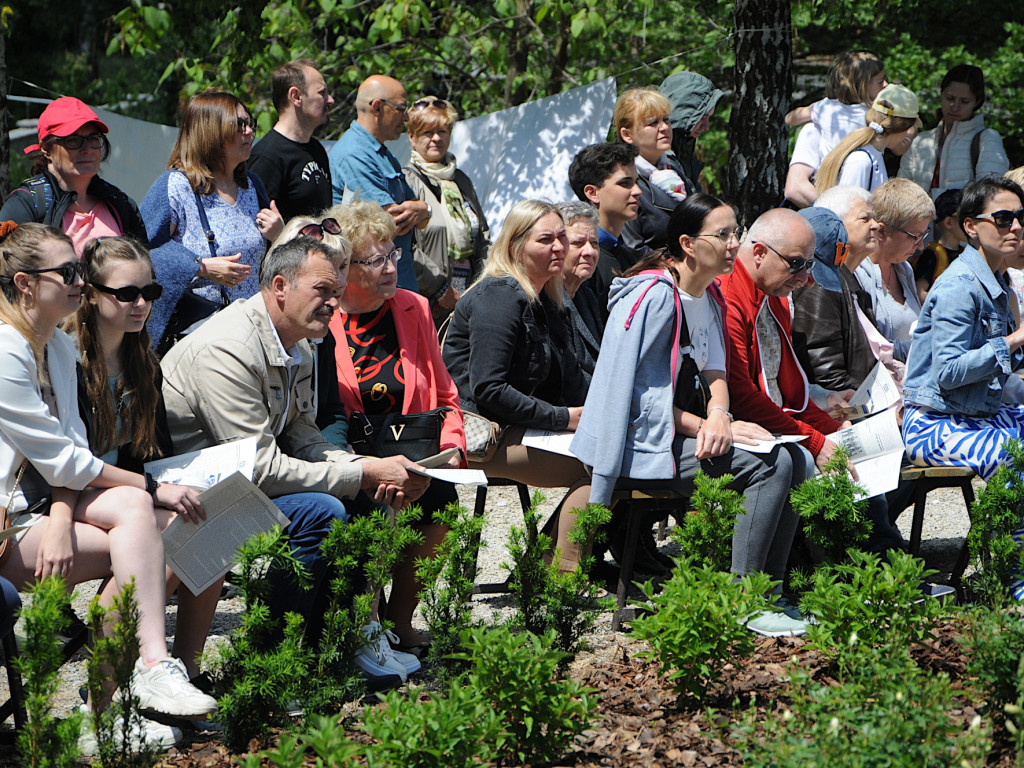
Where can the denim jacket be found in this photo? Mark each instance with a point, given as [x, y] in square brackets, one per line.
[959, 359]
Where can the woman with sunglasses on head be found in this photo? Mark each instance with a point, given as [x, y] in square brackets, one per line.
[208, 219]
[453, 245]
[119, 393]
[100, 519]
[903, 211]
[65, 190]
[386, 360]
[962, 395]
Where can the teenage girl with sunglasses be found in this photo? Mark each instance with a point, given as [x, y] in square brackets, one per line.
[100, 519]
[963, 398]
[120, 393]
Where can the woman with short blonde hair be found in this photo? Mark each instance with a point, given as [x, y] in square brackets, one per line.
[453, 246]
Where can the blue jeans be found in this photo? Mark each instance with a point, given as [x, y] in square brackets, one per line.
[312, 516]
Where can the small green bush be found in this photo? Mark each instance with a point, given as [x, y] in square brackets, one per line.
[706, 533]
[112, 662]
[448, 580]
[869, 603]
[994, 645]
[45, 742]
[516, 675]
[998, 509]
[546, 598]
[698, 624]
[833, 521]
[458, 730]
[891, 714]
[322, 735]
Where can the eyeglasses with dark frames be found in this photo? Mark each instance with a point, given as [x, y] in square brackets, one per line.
[245, 122]
[425, 103]
[378, 261]
[1003, 219]
[75, 141]
[796, 265]
[403, 108]
[918, 239]
[316, 231]
[129, 294]
[725, 235]
[67, 271]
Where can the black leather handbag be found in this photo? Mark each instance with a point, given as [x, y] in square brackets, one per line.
[415, 435]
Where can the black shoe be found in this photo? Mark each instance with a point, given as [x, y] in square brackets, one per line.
[650, 546]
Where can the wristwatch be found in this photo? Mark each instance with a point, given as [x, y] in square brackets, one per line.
[151, 485]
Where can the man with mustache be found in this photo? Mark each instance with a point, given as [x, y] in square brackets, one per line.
[249, 373]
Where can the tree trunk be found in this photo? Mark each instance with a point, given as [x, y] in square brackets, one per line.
[519, 55]
[5, 137]
[762, 82]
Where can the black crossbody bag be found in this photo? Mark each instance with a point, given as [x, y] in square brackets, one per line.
[415, 435]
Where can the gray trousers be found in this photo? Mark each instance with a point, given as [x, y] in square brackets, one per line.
[764, 530]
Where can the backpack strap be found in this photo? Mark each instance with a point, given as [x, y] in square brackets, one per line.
[42, 196]
[976, 152]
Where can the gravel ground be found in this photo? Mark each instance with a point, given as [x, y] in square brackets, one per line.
[945, 526]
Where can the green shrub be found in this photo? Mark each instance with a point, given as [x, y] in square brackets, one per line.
[322, 735]
[997, 510]
[458, 730]
[891, 714]
[448, 580]
[697, 626]
[263, 666]
[516, 675]
[994, 645]
[833, 521]
[45, 741]
[546, 598]
[869, 603]
[706, 533]
[112, 663]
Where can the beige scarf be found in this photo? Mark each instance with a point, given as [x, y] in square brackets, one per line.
[454, 209]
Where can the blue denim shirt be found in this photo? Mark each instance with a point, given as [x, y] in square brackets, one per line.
[959, 359]
[360, 163]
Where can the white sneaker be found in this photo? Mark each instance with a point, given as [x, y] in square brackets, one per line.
[148, 733]
[377, 654]
[165, 688]
[410, 661]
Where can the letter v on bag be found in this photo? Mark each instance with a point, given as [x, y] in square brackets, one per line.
[397, 430]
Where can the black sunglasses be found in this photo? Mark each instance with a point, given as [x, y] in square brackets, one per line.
[245, 122]
[795, 265]
[130, 293]
[1004, 219]
[67, 271]
[316, 231]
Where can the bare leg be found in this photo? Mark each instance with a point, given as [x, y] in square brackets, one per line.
[406, 586]
[195, 614]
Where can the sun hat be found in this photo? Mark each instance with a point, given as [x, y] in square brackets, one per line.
[62, 117]
[831, 245]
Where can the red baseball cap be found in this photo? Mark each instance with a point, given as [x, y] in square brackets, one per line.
[64, 116]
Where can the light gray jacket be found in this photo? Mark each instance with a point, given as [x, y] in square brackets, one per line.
[229, 380]
[918, 164]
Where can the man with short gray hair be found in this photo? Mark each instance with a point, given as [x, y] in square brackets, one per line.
[248, 372]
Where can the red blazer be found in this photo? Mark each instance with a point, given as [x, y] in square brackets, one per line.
[747, 389]
[427, 385]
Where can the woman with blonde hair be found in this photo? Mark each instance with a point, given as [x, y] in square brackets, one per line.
[208, 219]
[85, 519]
[453, 246]
[641, 118]
[507, 351]
[893, 123]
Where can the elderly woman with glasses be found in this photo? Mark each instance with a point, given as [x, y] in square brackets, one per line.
[386, 360]
[452, 247]
[963, 397]
[208, 219]
[904, 211]
[65, 190]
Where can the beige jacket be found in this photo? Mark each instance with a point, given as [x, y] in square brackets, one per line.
[228, 380]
